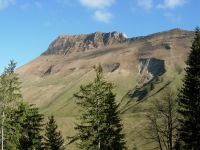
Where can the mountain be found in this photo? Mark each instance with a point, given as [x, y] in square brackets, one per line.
[140, 68]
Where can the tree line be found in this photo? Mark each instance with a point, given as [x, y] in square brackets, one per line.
[22, 125]
[173, 120]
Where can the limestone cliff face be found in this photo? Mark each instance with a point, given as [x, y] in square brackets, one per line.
[150, 68]
[78, 43]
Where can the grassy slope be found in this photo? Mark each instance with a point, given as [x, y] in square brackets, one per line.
[62, 103]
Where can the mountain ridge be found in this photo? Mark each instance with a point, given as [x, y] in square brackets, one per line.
[140, 68]
[66, 44]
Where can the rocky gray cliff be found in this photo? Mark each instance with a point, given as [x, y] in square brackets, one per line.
[150, 68]
[74, 43]
[66, 44]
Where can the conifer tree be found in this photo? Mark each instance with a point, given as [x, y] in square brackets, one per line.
[100, 125]
[189, 100]
[35, 125]
[10, 97]
[31, 126]
[53, 139]
[21, 124]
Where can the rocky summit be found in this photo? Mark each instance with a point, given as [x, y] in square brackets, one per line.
[78, 43]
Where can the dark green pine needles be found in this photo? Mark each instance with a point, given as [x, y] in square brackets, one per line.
[30, 123]
[99, 126]
[53, 139]
[189, 100]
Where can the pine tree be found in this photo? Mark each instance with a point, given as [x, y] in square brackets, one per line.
[189, 100]
[21, 124]
[30, 123]
[20, 116]
[53, 139]
[100, 125]
[10, 97]
[33, 126]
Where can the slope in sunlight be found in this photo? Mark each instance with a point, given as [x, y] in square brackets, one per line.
[140, 67]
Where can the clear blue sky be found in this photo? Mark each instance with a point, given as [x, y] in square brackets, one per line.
[28, 26]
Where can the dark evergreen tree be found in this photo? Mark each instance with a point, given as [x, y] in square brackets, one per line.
[21, 124]
[189, 100]
[53, 139]
[100, 125]
[30, 123]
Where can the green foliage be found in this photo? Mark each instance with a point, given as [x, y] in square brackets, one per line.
[21, 123]
[100, 125]
[30, 127]
[10, 94]
[10, 97]
[53, 139]
[189, 100]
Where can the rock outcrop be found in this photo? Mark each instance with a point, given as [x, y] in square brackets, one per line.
[111, 67]
[150, 68]
[75, 43]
